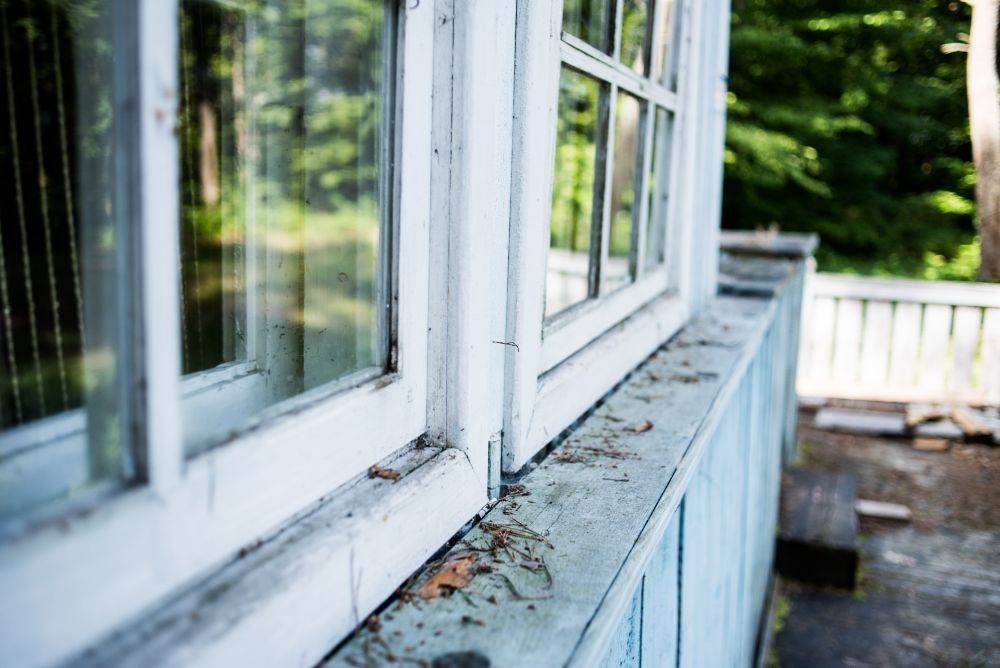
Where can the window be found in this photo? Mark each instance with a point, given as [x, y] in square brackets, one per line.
[284, 144]
[603, 231]
[602, 109]
[285, 179]
[214, 289]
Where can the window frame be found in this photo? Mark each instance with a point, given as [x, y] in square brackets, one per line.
[562, 365]
[76, 573]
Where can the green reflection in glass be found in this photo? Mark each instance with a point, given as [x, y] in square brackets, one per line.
[62, 230]
[591, 21]
[213, 194]
[667, 30]
[573, 190]
[659, 178]
[635, 32]
[285, 183]
[624, 185]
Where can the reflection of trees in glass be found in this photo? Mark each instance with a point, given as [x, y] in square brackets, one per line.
[290, 170]
[575, 183]
[590, 20]
[659, 179]
[628, 113]
[213, 144]
[635, 29]
[576, 153]
[43, 137]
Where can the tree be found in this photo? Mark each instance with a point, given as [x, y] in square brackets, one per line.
[846, 120]
[984, 122]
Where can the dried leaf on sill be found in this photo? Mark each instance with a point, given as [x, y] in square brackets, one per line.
[455, 573]
[377, 471]
[643, 426]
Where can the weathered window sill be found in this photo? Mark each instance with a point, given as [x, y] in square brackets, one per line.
[554, 565]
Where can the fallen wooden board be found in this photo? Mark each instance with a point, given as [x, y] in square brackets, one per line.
[818, 535]
[878, 423]
[973, 424]
[921, 413]
[882, 510]
[931, 444]
[869, 423]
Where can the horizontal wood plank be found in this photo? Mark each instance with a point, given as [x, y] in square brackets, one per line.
[950, 293]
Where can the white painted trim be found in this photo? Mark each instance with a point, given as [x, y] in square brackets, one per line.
[536, 89]
[159, 257]
[584, 57]
[310, 585]
[565, 335]
[869, 288]
[474, 54]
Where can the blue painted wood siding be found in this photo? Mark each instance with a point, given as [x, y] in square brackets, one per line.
[702, 594]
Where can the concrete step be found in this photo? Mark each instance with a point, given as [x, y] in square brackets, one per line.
[818, 537]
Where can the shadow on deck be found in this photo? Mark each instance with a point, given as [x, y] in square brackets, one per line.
[929, 591]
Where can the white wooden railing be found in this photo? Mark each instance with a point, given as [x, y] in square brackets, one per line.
[900, 340]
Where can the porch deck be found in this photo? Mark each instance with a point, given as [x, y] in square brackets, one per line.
[929, 590]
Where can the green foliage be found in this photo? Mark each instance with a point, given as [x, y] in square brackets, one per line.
[846, 119]
[576, 152]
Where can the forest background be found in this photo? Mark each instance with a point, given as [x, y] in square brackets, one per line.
[849, 118]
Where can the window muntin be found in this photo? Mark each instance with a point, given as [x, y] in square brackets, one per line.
[284, 185]
[63, 234]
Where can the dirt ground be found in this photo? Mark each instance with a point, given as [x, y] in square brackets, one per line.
[929, 591]
[958, 488]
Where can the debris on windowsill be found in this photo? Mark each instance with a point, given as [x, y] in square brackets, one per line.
[454, 574]
[377, 471]
[643, 426]
[882, 510]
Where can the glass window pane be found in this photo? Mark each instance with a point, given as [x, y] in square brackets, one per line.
[659, 179]
[591, 21]
[635, 32]
[61, 233]
[575, 206]
[624, 185]
[285, 135]
[667, 54]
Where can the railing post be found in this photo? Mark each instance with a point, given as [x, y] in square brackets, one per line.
[794, 249]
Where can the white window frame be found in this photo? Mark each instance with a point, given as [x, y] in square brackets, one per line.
[71, 580]
[562, 364]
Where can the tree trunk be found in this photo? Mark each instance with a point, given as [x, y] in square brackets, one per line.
[984, 121]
